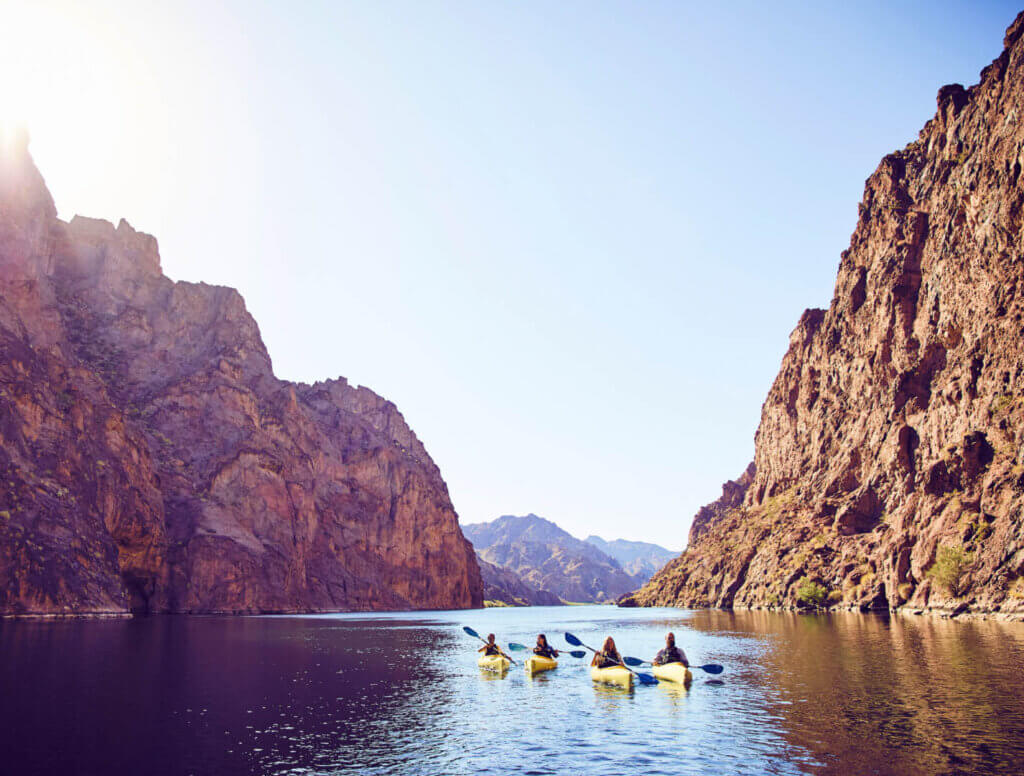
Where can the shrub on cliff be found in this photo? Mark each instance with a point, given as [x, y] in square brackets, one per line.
[949, 568]
[811, 593]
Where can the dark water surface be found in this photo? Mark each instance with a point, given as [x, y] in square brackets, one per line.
[401, 694]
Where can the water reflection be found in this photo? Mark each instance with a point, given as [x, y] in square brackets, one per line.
[402, 694]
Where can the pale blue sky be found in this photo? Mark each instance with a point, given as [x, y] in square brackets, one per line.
[569, 240]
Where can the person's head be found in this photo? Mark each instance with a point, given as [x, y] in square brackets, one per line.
[609, 645]
[542, 640]
[490, 638]
[670, 640]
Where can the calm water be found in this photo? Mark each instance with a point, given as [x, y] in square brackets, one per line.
[401, 694]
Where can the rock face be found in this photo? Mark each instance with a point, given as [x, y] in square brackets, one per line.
[152, 462]
[888, 466]
[504, 586]
[638, 559]
[548, 558]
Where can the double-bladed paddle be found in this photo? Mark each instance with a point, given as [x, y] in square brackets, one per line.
[644, 678]
[574, 652]
[711, 668]
[476, 635]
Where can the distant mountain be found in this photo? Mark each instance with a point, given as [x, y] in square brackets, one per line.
[504, 585]
[548, 558]
[641, 560]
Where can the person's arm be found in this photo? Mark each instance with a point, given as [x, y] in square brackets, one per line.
[482, 648]
[593, 660]
[555, 652]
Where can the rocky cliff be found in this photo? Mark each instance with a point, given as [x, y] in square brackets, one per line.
[504, 586]
[888, 469]
[549, 558]
[151, 461]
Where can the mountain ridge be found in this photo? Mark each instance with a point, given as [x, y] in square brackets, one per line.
[547, 557]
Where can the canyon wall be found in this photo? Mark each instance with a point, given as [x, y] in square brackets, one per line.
[152, 462]
[888, 469]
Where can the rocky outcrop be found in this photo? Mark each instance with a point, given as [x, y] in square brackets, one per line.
[151, 460]
[888, 466]
[641, 560]
[504, 586]
[548, 558]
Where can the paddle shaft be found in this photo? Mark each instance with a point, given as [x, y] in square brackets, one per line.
[622, 663]
[485, 641]
[711, 668]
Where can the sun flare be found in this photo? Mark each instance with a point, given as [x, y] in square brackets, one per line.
[75, 88]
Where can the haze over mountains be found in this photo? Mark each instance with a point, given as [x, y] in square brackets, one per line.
[548, 559]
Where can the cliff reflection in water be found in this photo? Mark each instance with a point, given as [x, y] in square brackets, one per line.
[399, 694]
[903, 695]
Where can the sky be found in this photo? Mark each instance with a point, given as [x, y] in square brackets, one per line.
[569, 240]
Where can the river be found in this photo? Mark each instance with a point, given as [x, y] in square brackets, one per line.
[401, 694]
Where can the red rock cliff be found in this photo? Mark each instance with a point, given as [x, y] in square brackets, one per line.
[151, 461]
[893, 431]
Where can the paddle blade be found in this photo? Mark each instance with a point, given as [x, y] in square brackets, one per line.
[646, 678]
[711, 668]
[517, 647]
[578, 653]
[471, 632]
[573, 640]
[633, 661]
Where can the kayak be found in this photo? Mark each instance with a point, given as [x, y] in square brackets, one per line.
[673, 672]
[612, 675]
[536, 663]
[495, 663]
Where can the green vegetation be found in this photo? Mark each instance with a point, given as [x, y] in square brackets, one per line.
[811, 593]
[835, 596]
[1016, 589]
[905, 591]
[1001, 402]
[489, 603]
[949, 568]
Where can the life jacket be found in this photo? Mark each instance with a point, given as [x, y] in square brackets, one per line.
[669, 655]
[491, 649]
[608, 660]
[547, 651]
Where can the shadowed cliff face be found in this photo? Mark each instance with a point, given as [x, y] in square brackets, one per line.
[151, 461]
[894, 427]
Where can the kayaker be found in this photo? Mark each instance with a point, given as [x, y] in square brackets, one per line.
[543, 648]
[608, 656]
[671, 653]
[490, 648]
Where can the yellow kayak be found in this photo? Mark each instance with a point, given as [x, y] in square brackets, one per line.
[673, 672]
[613, 675]
[495, 663]
[535, 664]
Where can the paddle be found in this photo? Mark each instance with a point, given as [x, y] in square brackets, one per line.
[476, 635]
[521, 647]
[711, 668]
[644, 678]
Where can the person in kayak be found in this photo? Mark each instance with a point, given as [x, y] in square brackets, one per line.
[608, 656]
[671, 653]
[543, 648]
[491, 648]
